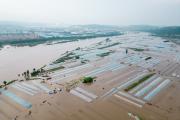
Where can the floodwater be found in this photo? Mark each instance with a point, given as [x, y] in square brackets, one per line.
[16, 60]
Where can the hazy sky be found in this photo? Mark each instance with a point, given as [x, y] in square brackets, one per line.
[114, 12]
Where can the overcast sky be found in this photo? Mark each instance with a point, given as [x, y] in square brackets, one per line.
[113, 12]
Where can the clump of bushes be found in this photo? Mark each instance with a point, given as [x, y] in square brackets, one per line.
[88, 79]
[35, 73]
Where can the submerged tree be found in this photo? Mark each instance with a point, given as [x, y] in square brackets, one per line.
[27, 73]
[5, 83]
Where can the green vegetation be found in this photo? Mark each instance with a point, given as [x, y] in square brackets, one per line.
[137, 49]
[35, 73]
[27, 75]
[139, 82]
[171, 32]
[10, 82]
[114, 44]
[55, 69]
[66, 57]
[87, 79]
[148, 58]
[105, 54]
[5, 83]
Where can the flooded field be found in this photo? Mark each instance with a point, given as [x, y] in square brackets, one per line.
[16, 60]
[134, 74]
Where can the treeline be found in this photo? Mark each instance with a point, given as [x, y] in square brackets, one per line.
[41, 40]
[167, 31]
[171, 33]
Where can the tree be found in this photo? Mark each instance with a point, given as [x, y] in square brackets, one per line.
[42, 70]
[27, 73]
[5, 83]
